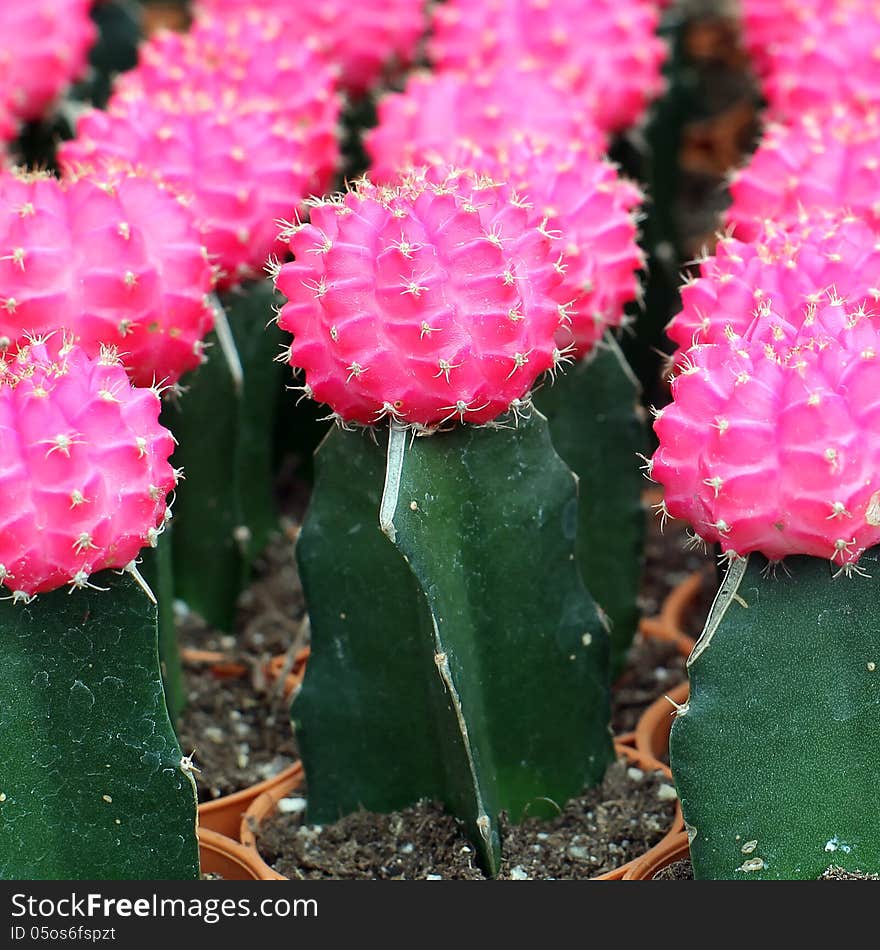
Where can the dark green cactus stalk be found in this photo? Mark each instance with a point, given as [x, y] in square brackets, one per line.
[456, 654]
[775, 755]
[93, 783]
[224, 425]
[597, 426]
[157, 569]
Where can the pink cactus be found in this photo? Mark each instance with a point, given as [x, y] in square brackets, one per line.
[782, 274]
[115, 259]
[828, 55]
[44, 46]
[243, 162]
[606, 51]
[772, 441]
[84, 476]
[769, 24]
[828, 159]
[429, 302]
[591, 208]
[438, 113]
[250, 53]
[362, 39]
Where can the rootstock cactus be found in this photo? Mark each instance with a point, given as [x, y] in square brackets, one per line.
[442, 521]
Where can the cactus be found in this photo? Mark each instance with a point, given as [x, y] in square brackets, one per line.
[94, 785]
[775, 754]
[429, 675]
[784, 271]
[825, 158]
[592, 209]
[769, 450]
[455, 634]
[439, 112]
[44, 47]
[810, 52]
[362, 41]
[596, 425]
[611, 65]
[224, 426]
[242, 159]
[114, 258]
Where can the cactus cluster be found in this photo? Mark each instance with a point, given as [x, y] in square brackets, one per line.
[472, 549]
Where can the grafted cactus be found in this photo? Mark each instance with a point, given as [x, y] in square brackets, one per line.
[94, 784]
[770, 450]
[456, 652]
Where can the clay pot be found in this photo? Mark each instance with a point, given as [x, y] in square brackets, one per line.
[220, 665]
[224, 815]
[668, 625]
[655, 724]
[292, 682]
[674, 847]
[221, 855]
[264, 806]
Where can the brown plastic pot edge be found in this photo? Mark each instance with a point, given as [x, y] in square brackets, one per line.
[224, 815]
[222, 665]
[669, 623]
[655, 723]
[265, 805]
[221, 855]
[292, 682]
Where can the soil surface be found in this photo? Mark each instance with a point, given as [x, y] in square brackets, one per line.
[596, 833]
[239, 726]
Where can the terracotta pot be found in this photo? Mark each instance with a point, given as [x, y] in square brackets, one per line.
[265, 805]
[647, 763]
[671, 849]
[224, 815]
[221, 665]
[668, 625]
[655, 724]
[221, 855]
[275, 667]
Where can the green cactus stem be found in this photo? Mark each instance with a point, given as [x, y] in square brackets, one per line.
[224, 424]
[456, 654]
[775, 755]
[93, 784]
[597, 426]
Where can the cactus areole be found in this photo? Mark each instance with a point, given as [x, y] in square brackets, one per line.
[427, 309]
[770, 450]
